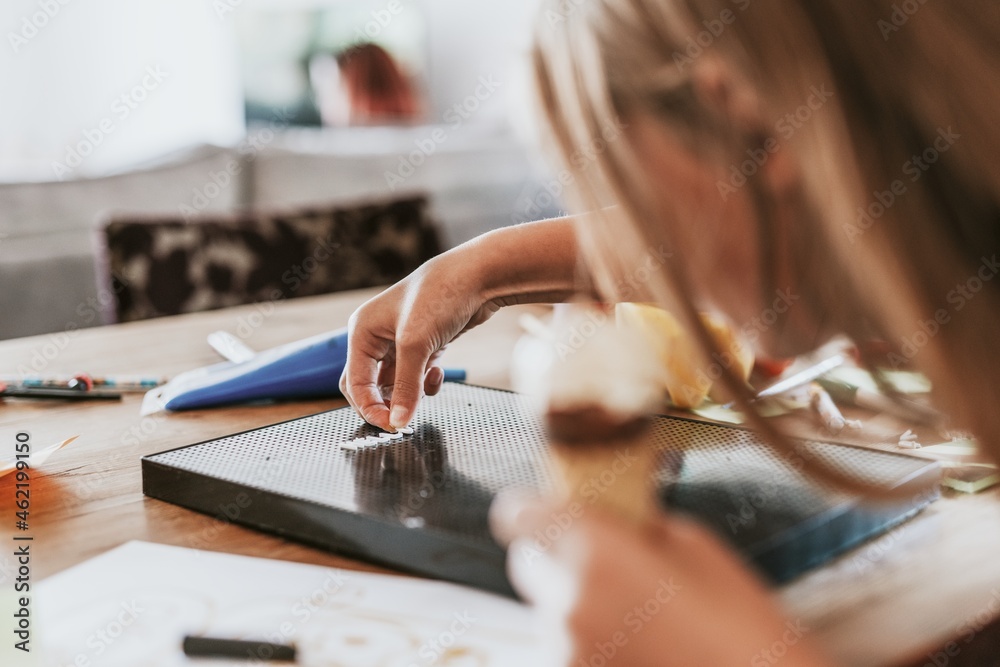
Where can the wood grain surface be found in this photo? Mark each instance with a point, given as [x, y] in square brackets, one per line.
[887, 602]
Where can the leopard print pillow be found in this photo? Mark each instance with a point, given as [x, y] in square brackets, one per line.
[166, 266]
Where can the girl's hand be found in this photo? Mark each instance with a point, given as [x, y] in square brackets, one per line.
[396, 338]
[673, 595]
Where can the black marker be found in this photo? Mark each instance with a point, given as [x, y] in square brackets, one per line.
[10, 391]
[237, 649]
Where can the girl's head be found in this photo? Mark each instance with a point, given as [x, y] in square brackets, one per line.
[810, 166]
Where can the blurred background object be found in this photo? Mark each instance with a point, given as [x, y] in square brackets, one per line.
[310, 63]
[367, 87]
[168, 266]
[194, 109]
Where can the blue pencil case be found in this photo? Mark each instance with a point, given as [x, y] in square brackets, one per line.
[308, 368]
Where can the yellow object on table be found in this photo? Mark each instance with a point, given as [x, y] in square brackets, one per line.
[687, 379]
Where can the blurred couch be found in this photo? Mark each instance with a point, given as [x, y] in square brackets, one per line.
[475, 178]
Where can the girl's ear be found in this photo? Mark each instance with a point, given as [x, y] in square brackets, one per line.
[731, 100]
[737, 104]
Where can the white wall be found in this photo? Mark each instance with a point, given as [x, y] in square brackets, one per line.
[138, 78]
[466, 39]
[473, 38]
[65, 66]
[69, 74]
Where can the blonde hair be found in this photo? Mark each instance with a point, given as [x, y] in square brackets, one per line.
[908, 82]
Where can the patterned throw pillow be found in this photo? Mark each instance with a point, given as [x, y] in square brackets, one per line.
[166, 266]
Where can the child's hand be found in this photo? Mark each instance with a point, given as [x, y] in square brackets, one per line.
[672, 596]
[396, 338]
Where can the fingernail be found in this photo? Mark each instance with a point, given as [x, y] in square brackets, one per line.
[399, 416]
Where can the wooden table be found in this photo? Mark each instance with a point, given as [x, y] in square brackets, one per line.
[889, 601]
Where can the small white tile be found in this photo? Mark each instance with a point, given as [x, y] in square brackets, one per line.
[352, 446]
[392, 436]
[406, 430]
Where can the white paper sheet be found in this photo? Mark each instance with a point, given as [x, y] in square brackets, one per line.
[131, 607]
